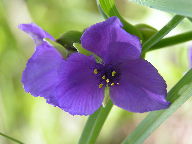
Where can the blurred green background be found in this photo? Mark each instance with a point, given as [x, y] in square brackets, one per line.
[32, 120]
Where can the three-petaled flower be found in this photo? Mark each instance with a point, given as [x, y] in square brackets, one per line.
[77, 84]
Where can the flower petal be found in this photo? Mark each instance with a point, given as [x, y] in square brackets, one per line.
[101, 37]
[40, 76]
[37, 33]
[78, 93]
[141, 88]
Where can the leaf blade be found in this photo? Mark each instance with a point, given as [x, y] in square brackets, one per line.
[160, 34]
[180, 7]
[11, 138]
[94, 124]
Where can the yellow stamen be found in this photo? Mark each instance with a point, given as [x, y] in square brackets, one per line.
[101, 85]
[107, 80]
[112, 84]
[95, 71]
[118, 83]
[113, 73]
[103, 77]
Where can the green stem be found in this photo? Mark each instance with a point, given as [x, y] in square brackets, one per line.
[160, 34]
[94, 124]
[173, 40]
[88, 127]
[13, 139]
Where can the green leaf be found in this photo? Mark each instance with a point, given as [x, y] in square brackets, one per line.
[180, 7]
[81, 50]
[68, 38]
[108, 9]
[63, 51]
[146, 30]
[12, 139]
[178, 95]
[94, 124]
[160, 34]
[173, 40]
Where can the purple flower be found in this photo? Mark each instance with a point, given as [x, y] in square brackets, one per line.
[77, 84]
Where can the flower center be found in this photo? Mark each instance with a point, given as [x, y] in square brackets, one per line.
[107, 76]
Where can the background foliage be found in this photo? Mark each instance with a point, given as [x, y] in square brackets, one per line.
[33, 121]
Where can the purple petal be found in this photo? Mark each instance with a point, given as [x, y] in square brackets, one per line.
[141, 88]
[78, 93]
[107, 36]
[40, 76]
[37, 33]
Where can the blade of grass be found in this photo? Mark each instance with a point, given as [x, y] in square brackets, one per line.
[163, 32]
[94, 124]
[173, 40]
[88, 127]
[99, 123]
[181, 7]
[178, 95]
[12, 139]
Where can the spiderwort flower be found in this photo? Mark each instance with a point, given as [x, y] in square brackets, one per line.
[77, 84]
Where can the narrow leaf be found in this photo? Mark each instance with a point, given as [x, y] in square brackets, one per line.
[146, 30]
[10, 138]
[94, 125]
[63, 51]
[180, 7]
[173, 40]
[178, 95]
[163, 32]
[81, 50]
[68, 38]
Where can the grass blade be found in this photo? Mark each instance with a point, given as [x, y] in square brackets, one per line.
[163, 32]
[12, 139]
[94, 124]
[173, 40]
[181, 7]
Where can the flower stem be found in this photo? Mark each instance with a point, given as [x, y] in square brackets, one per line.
[173, 40]
[13, 139]
[94, 124]
[160, 34]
